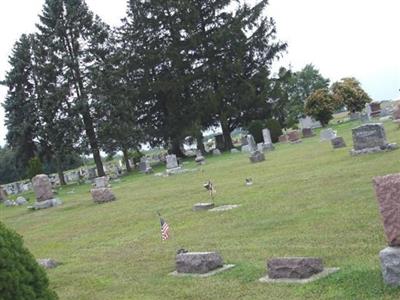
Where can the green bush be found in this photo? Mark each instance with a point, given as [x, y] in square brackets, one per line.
[274, 128]
[20, 275]
[34, 167]
[255, 129]
[136, 156]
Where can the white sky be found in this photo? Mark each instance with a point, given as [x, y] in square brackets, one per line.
[341, 38]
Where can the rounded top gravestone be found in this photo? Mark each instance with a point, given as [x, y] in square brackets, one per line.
[42, 187]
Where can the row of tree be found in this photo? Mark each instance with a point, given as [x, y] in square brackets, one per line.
[171, 70]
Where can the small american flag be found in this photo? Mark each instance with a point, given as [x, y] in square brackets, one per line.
[164, 229]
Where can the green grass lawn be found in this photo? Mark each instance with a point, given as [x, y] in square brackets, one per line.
[307, 200]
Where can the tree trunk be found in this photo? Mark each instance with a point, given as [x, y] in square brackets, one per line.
[87, 120]
[226, 132]
[126, 159]
[200, 143]
[176, 148]
[60, 171]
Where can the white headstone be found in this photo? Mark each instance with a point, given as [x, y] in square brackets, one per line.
[327, 134]
[267, 136]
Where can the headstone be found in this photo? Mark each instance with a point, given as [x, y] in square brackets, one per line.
[256, 156]
[294, 136]
[42, 187]
[200, 159]
[309, 122]
[45, 204]
[283, 138]
[266, 136]
[91, 173]
[375, 109]
[216, 152]
[396, 113]
[21, 201]
[307, 132]
[202, 206]
[198, 262]
[9, 203]
[102, 195]
[294, 267]
[245, 149]
[251, 143]
[144, 165]
[101, 182]
[338, 142]
[47, 263]
[390, 265]
[327, 134]
[370, 138]
[234, 150]
[172, 162]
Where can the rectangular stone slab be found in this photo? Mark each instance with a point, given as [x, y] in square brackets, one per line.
[294, 267]
[198, 262]
[369, 136]
[387, 189]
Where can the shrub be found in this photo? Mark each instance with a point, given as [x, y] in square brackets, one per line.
[34, 167]
[20, 275]
[274, 128]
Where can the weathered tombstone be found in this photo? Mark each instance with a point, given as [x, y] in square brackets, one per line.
[294, 136]
[294, 267]
[267, 145]
[256, 156]
[42, 187]
[101, 182]
[203, 206]
[200, 159]
[338, 142]
[283, 138]
[47, 263]
[375, 109]
[198, 262]
[369, 138]
[102, 195]
[144, 165]
[92, 173]
[327, 134]
[234, 150]
[251, 142]
[307, 132]
[387, 189]
[216, 152]
[172, 161]
[21, 201]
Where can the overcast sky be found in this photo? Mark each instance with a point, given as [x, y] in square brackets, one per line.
[341, 38]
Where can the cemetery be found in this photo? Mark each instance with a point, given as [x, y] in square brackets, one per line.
[305, 223]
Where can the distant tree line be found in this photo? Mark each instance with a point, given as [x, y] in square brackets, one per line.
[171, 70]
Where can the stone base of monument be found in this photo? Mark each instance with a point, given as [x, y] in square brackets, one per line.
[256, 157]
[203, 206]
[45, 204]
[174, 171]
[200, 264]
[296, 270]
[225, 207]
[387, 147]
[390, 265]
[338, 142]
[102, 195]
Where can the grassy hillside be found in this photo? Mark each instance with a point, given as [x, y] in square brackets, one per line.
[307, 200]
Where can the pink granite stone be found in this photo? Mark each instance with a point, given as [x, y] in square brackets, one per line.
[387, 189]
[294, 136]
[42, 187]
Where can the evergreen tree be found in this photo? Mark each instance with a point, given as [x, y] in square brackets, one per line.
[78, 38]
[20, 110]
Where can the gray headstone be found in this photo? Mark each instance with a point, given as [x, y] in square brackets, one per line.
[21, 201]
[338, 142]
[42, 187]
[369, 136]
[198, 262]
[390, 265]
[101, 182]
[216, 152]
[257, 156]
[102, 195]
[172, 161]
[47, 263]
[294, 267]
[327, 134]
[203, 206]
[266, 136]
[251, 143]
